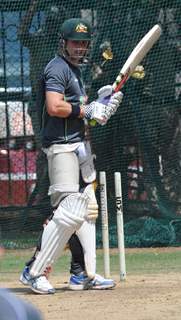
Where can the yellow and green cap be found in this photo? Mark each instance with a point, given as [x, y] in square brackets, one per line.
[77, 29]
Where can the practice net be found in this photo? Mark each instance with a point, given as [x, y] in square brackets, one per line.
[142, 141]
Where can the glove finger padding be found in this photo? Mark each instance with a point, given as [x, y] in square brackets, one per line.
[117, 98]
[114, 104]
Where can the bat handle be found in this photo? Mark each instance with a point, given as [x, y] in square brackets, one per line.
[120, 82]
[117, 88]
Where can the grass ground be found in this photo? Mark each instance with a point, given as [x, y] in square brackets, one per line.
[138, 261]
[151, 291]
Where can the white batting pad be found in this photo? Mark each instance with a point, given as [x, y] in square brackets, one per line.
[87, 233]
[68, 218]
[87, 237]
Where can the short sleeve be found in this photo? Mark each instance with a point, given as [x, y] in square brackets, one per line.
[55, 76]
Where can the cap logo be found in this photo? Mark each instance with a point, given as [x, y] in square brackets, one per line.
[81, 28]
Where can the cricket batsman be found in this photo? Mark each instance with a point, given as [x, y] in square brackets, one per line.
[70, 159]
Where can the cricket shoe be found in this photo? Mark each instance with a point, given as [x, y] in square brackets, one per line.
[101, 283]
[39, 284]
[25, 277]
[82, 282]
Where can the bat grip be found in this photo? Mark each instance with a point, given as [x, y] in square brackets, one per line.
[117, 87]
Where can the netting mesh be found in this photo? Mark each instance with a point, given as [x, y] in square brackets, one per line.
[142, 141]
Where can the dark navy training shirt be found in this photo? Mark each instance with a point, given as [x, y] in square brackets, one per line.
[60, 76]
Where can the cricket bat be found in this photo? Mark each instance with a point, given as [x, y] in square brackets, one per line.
[136, 56]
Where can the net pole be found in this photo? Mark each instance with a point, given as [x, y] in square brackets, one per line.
[120, 225]
[104, 220]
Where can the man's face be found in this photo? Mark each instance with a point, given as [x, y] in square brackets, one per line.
[77, 49]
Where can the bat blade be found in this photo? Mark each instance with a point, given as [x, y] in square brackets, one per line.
[136, 56]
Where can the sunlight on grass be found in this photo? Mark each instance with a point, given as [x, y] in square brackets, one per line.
[137, 262]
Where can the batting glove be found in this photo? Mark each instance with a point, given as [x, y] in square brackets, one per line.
[102, 112]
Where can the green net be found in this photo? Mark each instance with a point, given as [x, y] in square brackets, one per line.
[142, 141]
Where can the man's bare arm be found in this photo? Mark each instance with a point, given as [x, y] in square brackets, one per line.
[57, 107]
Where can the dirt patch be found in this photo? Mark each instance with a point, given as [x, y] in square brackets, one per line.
[140, 297]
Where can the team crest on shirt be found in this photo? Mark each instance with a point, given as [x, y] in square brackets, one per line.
[81, 28]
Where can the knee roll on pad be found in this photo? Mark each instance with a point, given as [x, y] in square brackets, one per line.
[71, 212]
